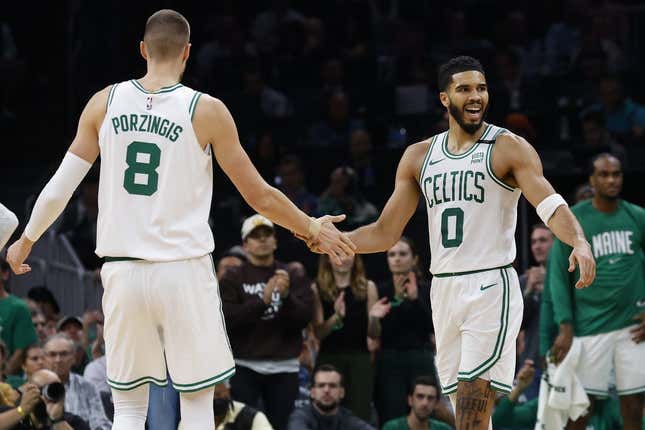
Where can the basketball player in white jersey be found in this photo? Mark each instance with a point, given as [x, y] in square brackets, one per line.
[471, 177]
[8, 224]
[161, 299]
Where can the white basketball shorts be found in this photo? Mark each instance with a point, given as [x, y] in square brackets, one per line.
[476, 316]
[159, 313]
[602, 353]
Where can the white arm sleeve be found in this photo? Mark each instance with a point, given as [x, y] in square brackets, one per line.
[54, 197]
[547, 207]
[8, 224]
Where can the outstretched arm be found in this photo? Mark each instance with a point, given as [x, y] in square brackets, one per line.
[515, 160]
[215, 125]
[54, 197]
[387, 229]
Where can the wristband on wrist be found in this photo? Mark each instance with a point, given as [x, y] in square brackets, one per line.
[314, 228]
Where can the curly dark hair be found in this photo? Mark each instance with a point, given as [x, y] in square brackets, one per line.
[456, 65]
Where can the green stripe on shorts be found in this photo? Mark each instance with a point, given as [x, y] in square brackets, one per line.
[196, 386]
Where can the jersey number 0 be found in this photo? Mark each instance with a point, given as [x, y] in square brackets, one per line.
[141, 176]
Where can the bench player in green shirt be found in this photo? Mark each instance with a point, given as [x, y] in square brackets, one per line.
[609, 317]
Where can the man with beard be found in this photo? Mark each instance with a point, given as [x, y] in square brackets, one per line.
[471, 177]
[608, 319]
[325, 412]
[422, 399]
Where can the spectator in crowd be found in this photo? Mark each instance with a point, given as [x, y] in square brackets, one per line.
[625, 118]
[343, 296]
[47, 304]
[266, 306]
[334, 131]
[81, 398]
[272, 103]
[34, 360]
[307, 360]
[402, 320]
[40, 324]
[72, 326]
[292, 183]
[264, 29]
[423, 398]
[532, 285]
[368, 168]
[236, 415]
[595, 137]
[325, 412]
[16, 328]
[582, 192]
[609, 319]
[342, 196]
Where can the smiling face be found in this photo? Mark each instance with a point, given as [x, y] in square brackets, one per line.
[467, 100]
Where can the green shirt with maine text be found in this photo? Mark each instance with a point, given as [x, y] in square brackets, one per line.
[618, 292]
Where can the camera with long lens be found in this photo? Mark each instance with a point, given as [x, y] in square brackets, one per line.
[53, 392]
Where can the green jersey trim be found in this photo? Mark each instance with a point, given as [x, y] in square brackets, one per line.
[131, 385]
[159, 91]
[470, 272]
[449, 154]
[193, 104]
[113, 259]
[425, 159]
[631, 391]
[489, 167]
[501, 337]
[111, 95]
[200, 385]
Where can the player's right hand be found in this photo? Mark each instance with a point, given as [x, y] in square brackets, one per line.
[583, 257]
[18, 253]
[562, 345]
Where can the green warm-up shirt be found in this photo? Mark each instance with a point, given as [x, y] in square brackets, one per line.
[618, 292]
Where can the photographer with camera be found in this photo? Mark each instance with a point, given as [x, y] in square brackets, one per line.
[41, 406]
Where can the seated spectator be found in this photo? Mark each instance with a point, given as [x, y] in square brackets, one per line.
[47, 304]
[266, 306]
[582, 192]
[237, 415]
[510, 412]
[229, 260]
[292, 183]
[16, 330]
[81, 398]
[423, 397]
[342, 196]
[72, 326]
[334, 131]
[34, 360]
[42, 328]
[40, 406]
[342, 298]
[325, 411]
[596, 138]
[625, 118]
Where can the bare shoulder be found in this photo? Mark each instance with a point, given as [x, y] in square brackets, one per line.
[510, 146]
[96, 107]
[413, 157]
[209, 107]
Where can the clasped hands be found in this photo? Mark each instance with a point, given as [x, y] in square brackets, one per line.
[324, 238]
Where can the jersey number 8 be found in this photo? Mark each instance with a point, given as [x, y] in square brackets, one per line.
[141, 176]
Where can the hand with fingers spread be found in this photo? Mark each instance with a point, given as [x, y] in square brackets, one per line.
[325, 238]
[638, 332]
[18, 253]
[583, 257]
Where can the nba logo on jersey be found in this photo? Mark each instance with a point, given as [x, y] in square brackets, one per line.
[149, 103]
[478, 157]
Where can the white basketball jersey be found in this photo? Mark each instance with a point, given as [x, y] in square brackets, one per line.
[156, 182]
[471, 213]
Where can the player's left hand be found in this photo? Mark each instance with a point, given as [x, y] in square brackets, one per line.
[583, 257]
[638, 332]
[18, 253]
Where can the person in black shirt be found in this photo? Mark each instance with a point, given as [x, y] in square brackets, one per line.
[266, 305]
[402, 319]
[343, 295]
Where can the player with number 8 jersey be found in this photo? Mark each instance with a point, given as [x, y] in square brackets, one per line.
[158, 174]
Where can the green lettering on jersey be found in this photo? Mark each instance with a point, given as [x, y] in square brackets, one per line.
[446, 199]
[145, 123]
[479, 198]
[175, 133]
[467, 196]
[426, 182]
[134, 119]
[435, 188]
[163, 128]
[116, 125]
[155, 125]
[123, 120]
